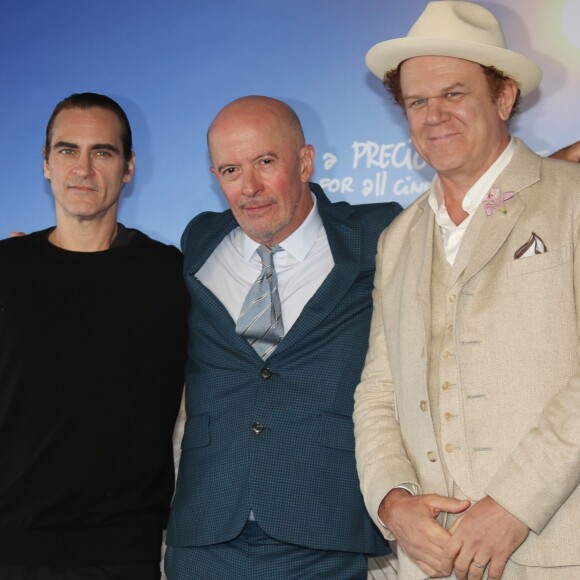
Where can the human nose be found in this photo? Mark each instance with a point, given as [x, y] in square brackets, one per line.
[250, 183]
[83, 165]
[435, 111]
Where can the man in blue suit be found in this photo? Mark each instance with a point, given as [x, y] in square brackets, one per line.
[267, 485]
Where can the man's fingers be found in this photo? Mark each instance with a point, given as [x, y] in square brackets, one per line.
[431, 572]
[496, 568]
[470, 567]
[452, 549]
[478, 566]
[428, 558]
[455, 524]
[450, 505]
[412, 519]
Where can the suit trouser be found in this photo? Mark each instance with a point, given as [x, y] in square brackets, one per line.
[254, 555]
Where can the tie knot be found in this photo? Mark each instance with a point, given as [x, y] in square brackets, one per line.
[266, 254]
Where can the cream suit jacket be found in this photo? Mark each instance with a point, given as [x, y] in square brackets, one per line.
[516, 339]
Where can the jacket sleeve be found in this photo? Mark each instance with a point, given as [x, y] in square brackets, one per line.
[382, 462]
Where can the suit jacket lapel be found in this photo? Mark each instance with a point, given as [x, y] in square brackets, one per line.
[202, 297]
[344, 239]
[208, 241]
[421, 243]
[488, 233]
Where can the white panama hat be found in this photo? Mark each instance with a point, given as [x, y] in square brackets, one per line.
[458, 29]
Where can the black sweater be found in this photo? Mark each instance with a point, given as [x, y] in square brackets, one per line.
[92, 350]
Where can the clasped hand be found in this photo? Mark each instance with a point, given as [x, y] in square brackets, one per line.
[486, 534]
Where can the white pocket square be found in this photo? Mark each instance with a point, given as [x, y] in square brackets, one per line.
[533, 246]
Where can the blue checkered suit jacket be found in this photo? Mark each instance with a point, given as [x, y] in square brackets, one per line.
[298, 475]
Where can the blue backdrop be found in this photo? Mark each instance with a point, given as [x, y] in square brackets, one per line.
[173, 64]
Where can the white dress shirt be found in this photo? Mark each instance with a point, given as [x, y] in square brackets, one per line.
[451, 233]
[301, 266]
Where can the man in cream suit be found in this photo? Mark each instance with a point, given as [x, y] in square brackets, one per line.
[467, 417]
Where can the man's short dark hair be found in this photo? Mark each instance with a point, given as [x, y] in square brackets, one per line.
[89, 101]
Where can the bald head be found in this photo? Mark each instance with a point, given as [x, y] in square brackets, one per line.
[263, 166]
[255, 108]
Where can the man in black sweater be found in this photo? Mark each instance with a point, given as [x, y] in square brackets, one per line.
[92, 350]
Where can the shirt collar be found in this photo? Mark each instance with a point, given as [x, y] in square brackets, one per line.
[297, 244]
[478, 190]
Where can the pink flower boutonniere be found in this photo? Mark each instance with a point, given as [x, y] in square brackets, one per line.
[495, 199]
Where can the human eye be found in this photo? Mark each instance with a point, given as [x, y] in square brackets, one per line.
[454, 95]
[66, 151]
[266, 162]
[103, 154]
[228, 172]
[415, 103]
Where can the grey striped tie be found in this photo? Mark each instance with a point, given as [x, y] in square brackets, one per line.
[260, 321]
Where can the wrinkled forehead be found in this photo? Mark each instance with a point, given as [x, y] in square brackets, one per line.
[248, 136]
[82, 126]
[430, 65]
[438, 72]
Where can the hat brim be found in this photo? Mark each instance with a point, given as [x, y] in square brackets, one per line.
[387, 55]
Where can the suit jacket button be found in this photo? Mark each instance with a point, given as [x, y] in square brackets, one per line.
[266, 373]
[432, 457]
[423, 405]
[257, 428]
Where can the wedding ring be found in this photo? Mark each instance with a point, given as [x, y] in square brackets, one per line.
[478, 565]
